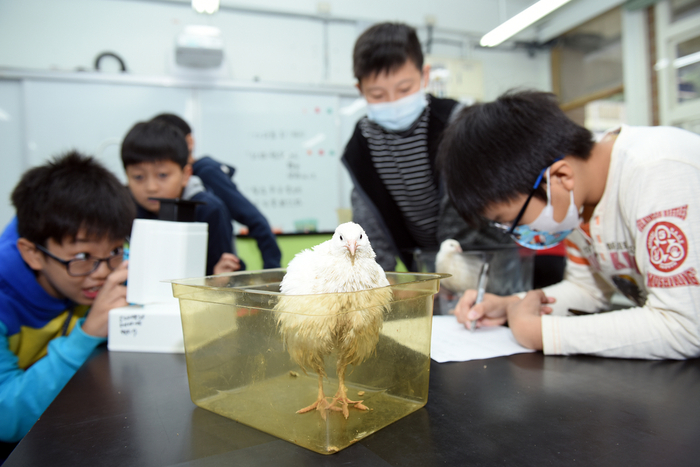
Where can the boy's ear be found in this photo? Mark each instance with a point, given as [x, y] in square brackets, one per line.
[358, 85]
[186, 174]
[190, 147]
[426, 75]
[565, 172]
[33, 257]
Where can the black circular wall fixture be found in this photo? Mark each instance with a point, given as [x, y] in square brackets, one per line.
[113, 55]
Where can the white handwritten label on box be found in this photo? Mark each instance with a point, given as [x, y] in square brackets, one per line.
[130, 325]
[156, 327]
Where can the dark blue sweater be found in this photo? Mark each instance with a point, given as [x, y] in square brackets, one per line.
[218, 178]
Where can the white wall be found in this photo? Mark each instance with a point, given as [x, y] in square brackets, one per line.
[636, 70]
[273, 41]
[69, 34]
[475, 16]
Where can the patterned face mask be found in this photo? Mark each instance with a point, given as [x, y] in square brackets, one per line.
[538, 240]
[544, 232]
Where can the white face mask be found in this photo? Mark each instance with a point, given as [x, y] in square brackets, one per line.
[400, 114]
[545, 221]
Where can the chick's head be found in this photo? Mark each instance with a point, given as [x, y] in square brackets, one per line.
[450, 246]
[350, 239]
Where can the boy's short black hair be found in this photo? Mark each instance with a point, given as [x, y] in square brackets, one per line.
[70, 193]
[174, 120]
[384, 48]
[154, 141]
[494, 152]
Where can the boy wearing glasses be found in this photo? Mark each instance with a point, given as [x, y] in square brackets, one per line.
[520, 163]
[61, 272]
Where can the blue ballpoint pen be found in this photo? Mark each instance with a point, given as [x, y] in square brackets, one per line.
[481, 288]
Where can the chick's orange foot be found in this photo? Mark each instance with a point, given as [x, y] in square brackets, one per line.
[338, 404]
[342, 401]
[321, 404]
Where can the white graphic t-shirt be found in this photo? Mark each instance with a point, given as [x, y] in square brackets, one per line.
[643, 240]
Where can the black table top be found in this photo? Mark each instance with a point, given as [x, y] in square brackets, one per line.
[134, 409]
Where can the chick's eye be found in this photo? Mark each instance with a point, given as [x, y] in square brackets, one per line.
[341, 238]
[360, 236]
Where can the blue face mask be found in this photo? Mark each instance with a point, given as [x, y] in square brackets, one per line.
[400, 114]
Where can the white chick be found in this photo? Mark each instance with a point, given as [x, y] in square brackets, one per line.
[451, 260]
[312, 326]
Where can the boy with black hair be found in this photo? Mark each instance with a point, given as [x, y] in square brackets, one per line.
[61, 272]
[521, 163]
[218, 178]
[155, 155]
[397, 196]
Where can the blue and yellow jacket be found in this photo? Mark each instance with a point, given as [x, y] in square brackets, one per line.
[42, 343]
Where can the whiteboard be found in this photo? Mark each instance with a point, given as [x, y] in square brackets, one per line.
[285, 151]
[285, 143]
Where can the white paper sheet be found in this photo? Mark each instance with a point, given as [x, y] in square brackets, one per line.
[452, 342]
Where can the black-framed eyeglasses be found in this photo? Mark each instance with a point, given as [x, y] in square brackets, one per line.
[84, 267]
[511, 229]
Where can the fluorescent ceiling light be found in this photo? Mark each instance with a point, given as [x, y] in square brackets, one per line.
[520, 21]
[205, 6]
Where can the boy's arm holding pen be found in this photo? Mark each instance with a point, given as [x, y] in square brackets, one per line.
[491, 311]
[523, 315]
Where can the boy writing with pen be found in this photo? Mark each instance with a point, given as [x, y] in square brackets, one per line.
[522, 165]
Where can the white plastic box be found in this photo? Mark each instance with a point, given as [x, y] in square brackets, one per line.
[159, 251]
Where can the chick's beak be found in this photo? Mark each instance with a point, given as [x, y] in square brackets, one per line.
[352, 246]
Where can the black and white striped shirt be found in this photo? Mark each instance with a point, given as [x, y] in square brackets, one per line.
[401, 160]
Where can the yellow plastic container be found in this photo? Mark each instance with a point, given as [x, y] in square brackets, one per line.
[238, 366]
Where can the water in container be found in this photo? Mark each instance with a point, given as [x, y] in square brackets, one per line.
[238, 365]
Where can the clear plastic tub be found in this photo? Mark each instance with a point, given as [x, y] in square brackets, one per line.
[511, 270]
[238, 365]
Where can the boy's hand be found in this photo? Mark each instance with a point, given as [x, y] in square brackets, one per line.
[524, 318]
[112, 295]
[490, 312]
[227, 263]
